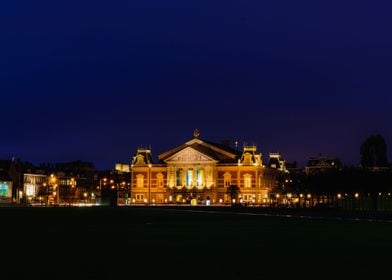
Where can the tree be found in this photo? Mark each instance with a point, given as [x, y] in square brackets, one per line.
[233, 191]
[374, 152]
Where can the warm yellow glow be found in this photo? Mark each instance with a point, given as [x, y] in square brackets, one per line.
[113, 187]
[277, 195]
[85, 194]
[301, 195]
[233, 200]
[309, 195]
[220, 200]
[356, 195]
[145, 200]
[339, 196]
[379, 194]
[289, 195]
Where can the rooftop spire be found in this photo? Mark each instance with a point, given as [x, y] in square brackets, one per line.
[196, 133]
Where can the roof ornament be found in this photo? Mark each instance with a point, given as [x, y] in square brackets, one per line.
[196, 133]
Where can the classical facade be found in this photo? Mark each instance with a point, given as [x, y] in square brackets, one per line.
[200, 171]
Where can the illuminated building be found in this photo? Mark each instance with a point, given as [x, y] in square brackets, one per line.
[276, 161]
[33, 184]
[201, 171]
[5, 187]
[122, 168]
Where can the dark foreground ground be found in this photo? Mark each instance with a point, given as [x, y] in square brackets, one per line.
[162, 243]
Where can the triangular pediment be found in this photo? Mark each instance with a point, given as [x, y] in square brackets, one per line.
[189, 155]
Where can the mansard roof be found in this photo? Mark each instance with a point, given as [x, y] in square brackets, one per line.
[218, 152]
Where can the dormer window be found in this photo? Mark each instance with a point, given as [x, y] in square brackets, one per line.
[139, 160]
[247, 158]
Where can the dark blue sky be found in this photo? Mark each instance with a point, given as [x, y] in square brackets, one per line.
[92, 80]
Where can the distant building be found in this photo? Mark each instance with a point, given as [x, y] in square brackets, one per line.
[122, 167]
[33, 184]
[201, 171]
[13, 169]
[292, 167]
[5, 187]
[277, 162]
[322, 164]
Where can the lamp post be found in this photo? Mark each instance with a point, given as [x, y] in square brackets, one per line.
[100, 187]
[46, 193]
[73, 185]
[53, 182]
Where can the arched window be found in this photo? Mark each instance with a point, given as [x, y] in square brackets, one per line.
[200, 177]
[247, 181]
[139, 181]
[189, 177]
[227, 179]
[179, 177]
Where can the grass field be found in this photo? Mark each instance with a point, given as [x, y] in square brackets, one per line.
[148, 243]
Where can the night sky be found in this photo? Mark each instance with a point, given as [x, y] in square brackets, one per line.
[93, 80]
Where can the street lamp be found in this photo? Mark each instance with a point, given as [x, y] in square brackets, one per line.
[53, 182]
[46, 189]
[73, 185]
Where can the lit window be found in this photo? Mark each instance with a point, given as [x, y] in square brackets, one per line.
[247, 181]
[139, 181]
[189, 177]
[179, 177]
[3, 189]
[30, 190]
[200, 177]
[227, 179]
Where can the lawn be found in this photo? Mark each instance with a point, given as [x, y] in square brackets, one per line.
[147, 243]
